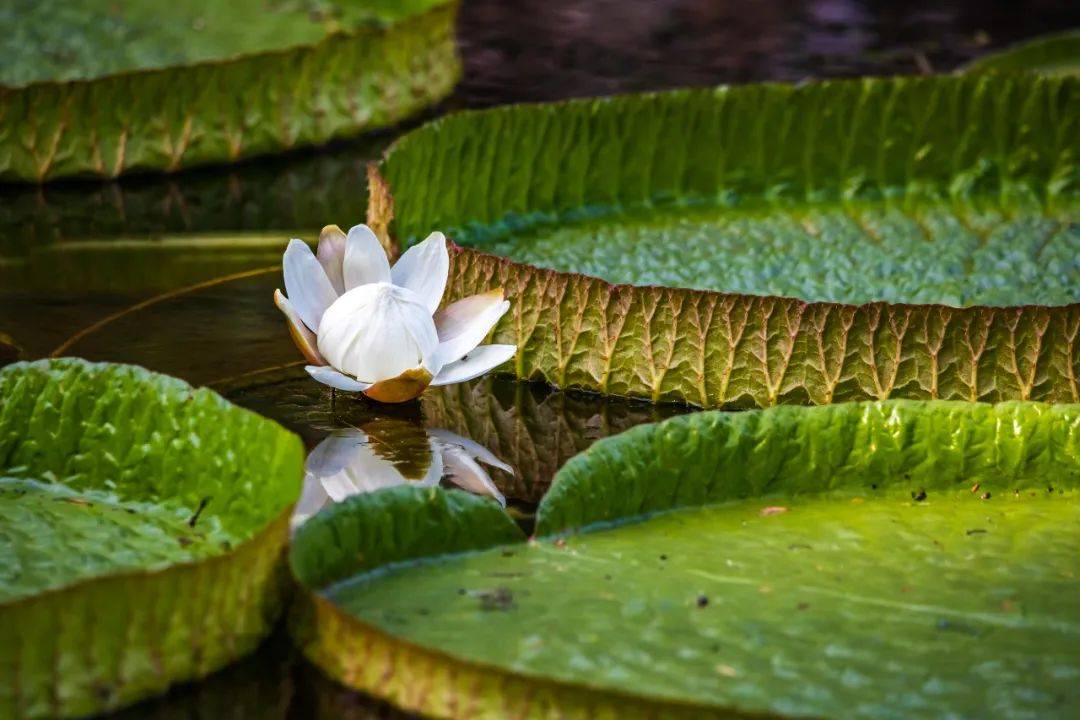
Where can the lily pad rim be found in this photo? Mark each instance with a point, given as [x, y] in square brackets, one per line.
[381, 212]
[265, 534]
[592, 100]
[987, 63]
[367, 28]
[261, 536]
[449, 662]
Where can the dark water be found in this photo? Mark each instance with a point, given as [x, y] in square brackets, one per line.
[163, 271]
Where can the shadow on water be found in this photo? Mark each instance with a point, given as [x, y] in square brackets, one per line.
[274, 683]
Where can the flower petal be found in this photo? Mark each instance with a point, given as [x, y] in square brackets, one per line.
[305, 340]
[423, 268]
[310, 291]
[346, 464]
[331, 255]
[377, 332]
[475, 449]
[313, 498]
[467, 474]
[407, 386]
[475, 364]
[329, 376]
[464, 325]
[365, 259]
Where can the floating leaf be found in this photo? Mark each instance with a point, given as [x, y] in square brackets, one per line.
[98, 88]
[1057, 54]
[771, 562]
[142, 525]
[764, 244]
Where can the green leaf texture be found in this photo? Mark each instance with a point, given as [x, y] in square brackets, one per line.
[765, 244]
[142, 528]
[399, 523]
[135, 86]
[868, 560]
[1057, 54]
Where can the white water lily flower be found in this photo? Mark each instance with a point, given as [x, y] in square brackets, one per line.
[354, 461]
[366, 327]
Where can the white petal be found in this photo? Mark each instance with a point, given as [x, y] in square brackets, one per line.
[475, 449]
[312, 499]
[310, 291]
[331, 255]
[346, 465]
[475, 364]
[423, 268]
[329, 376]
[334, 452]
[465, 473]
[464, 325]
[304, 339]
[377, 332]
[365, 259]
[435, 472]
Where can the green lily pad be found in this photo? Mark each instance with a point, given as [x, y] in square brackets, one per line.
[142, 525]
[853, 560]
[1057, 54]
[101, 88]
[764, 244]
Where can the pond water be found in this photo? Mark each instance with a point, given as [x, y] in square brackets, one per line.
[176, 273]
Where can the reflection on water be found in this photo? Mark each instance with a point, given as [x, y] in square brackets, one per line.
[385, 453]
[523, 432]
[299, 190]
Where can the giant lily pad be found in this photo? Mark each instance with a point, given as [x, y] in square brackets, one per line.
[100, 88]
[142, 527]
[1057, 54]
[764, 244]
[884, 559]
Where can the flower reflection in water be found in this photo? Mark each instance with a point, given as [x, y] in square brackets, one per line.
[388, 452]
